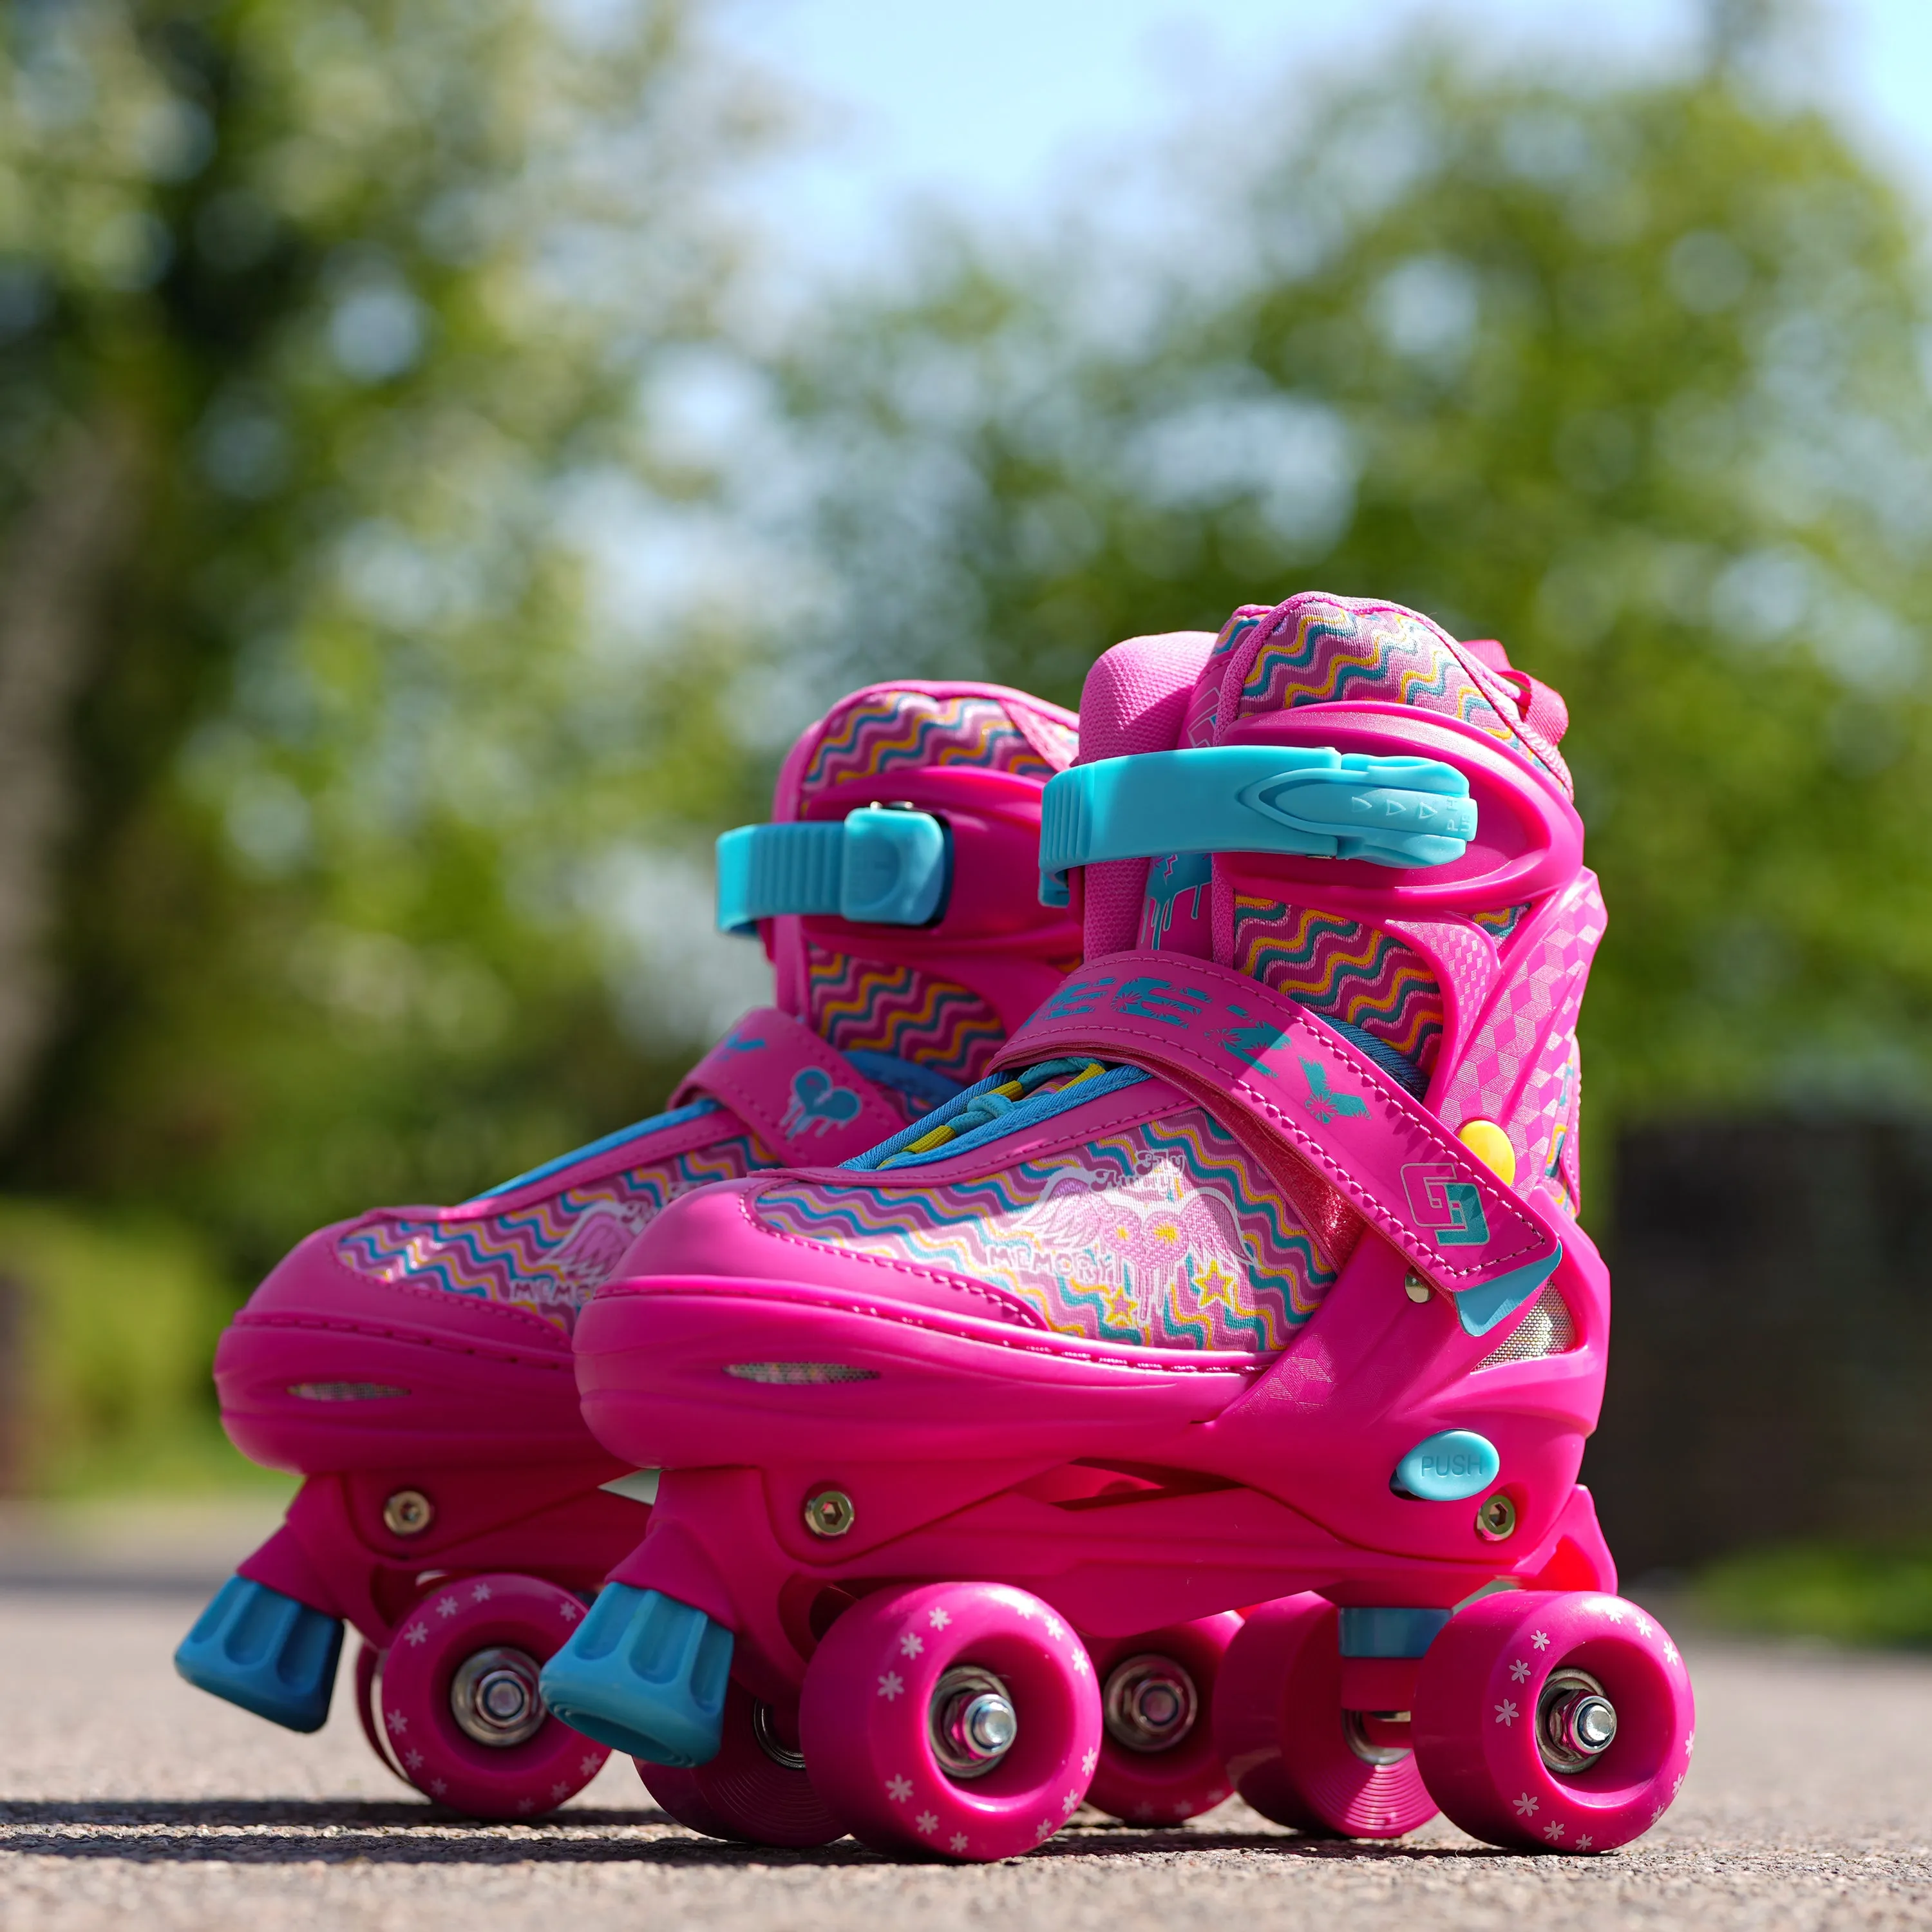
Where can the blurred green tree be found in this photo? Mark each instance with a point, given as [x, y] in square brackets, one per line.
[327, 332]
[1633, 377]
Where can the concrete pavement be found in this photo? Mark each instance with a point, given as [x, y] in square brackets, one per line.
[125, 1795]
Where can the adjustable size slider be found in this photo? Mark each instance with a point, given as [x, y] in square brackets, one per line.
[881, 866]
[1307, 800]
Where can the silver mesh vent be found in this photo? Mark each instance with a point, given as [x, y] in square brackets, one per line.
[798, 1374]
[1548, 1329]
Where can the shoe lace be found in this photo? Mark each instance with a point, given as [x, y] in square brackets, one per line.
[983, 1109]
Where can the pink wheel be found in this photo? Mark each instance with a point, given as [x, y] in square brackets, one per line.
[1555, 1720]
[1291, 1749]
[368, 1693]
[952, 1721]
[459, 1705]
[754, 1790]
[1158, 1761]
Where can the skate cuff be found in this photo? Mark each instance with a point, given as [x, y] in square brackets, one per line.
[880, 865]
[1309, 800]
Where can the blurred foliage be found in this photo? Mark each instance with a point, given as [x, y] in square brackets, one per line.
[1845, 1593]
[360, 302]
[1632, 377]
[117, 1317]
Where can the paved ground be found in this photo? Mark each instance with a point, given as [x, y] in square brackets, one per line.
[124, 1794]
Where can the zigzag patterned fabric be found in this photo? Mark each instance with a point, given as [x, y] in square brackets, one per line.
[1165, 1234]
[549, 1256]
[859, 1007]
[1343, 969]
[1500, 925]
[1318, 649]
[893, 731]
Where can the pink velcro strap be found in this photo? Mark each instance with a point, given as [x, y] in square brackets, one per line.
[805, 1101]
[1225, 1038]
[1542, 706]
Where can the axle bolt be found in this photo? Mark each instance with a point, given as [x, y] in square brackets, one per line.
[1496, 1518]
[408, 1513]
[829, 1513]
[1415, 1288]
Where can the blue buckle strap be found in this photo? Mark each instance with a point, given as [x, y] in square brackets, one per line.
[880, 865]
[1309, 800]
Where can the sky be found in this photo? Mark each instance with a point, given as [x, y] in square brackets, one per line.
[988, 103]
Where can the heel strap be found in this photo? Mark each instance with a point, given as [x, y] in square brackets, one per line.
[880, 865]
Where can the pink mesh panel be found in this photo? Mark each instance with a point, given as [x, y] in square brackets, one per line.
[1134, 700]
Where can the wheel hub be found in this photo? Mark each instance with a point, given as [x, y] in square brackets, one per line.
[494, 1698]
[1575, 1722]
[971, 1720]
[765, 1729]
[1150, 1703]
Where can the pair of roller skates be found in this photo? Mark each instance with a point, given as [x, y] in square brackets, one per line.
[1192, 1404]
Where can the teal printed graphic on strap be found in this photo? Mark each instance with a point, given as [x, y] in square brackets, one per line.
[1319, 802]
[880, 865]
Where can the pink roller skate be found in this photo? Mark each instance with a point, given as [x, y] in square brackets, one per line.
[1249, 1280]
[414, 1364]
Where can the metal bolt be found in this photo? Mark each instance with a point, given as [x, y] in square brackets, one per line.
[408, 1513]
[1149, 1703]
[971, 1721]
[1575, 1722]
[494, 1697]
[1415, 1288]
[1496, 1518]
[829, 1513]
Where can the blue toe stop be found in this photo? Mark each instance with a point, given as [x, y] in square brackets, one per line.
[264, 1651]
[644, 1674]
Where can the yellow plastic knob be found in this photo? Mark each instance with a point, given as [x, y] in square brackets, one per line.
[1491, 1146]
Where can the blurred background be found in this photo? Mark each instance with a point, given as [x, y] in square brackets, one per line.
[449, 447]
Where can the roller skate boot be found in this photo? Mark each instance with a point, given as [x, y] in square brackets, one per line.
[413, 1365]
[1196, 1403]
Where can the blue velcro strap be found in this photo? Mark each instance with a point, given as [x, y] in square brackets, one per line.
[1311, 800]
[646, 1674]
[880, 866]
[264, 1651]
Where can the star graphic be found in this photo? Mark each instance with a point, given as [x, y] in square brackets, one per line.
[1519, 1670]
[437, 1787]
[558, 1793]
[1054, 1628]
[1541, 1638]
[1070, 1804]
[1553, 1830]
[447, 1607]
[396, 1723]
[938, 1618]
[527, 1804]
[481, 1593]
[1215, 1284]
[1645, 1628]
[588, 1764]
[570, 1610]
[1583, 1841]
[1669, 1652]
[927, 1821]
[1080, 1664]
[1525, 1806]
[890, 1685]
[413, 1759]
[416, 1634]
[912, 1643]
[1087, 1762]
[898, 1790]
[1124, 1306]
[1506, 1712]
[958, 1841]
